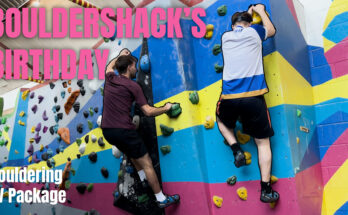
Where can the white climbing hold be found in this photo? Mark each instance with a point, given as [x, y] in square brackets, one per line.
[82, 148]
[99, 120]
[136, 121]
[116, 152]
[93, 86]
[93, 138]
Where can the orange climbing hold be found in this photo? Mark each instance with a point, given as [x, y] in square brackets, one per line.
[242, 193]
[71, 100]
[66, 173]
[242, 138]
[218, 201]
[69, 90]
[64, 133]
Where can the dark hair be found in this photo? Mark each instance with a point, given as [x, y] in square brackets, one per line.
[241, 17]
[123, 62]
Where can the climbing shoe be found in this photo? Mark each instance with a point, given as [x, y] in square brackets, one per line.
[169, 201]
[273, 196]
[239, 159]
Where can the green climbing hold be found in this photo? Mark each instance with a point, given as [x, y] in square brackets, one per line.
[3, 120]
[218, 68]
[120, 173]
[2, 142]
[106, 39]
[1, 105]
[222, 10]
[194, 98]
[166, 131]
[0, 133]
[232, 180]
[216, 49]
[67, 184]
[78, 141]
[174, 111]
[90, 187]
[102, 91]
[73, 171]
[90, 124]
[6, 128]
[91, 111]
[143, 198]
[299, 113]
[165, 149]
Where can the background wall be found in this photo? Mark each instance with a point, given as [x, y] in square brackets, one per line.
[305, 71]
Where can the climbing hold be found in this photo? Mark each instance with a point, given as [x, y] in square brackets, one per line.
[99, 120]
[82, 148]
[90, 124]
[104, 172]
[242, 138]
[56, 119]
[93, 86]
[44, 156]
[35, 159]
[78, 156]
[304, 129]
[274, 179]
[64, 133]
[76, 107]
[49, 152]
[166, 131]
[32, 95]
[101, 142]
[60, 116]
[44, 130]
[81, 188]
[298, 113]
[57, 150]
[145, 63]
[218, 68]
[174, 111]
[216, 49]
[217, 201]
[143, 198]
[209, 122]
[37, 138]
[52, 85]
[93, 138]
[6, 128]
[232, 180]
[242, 193]
[272, 204]
[106, 39]
[85, 114]
[256, 18]
[90, 187]
[3, 120]
[209, 31]
[79, 128]
[44, 116]
[30, 159]
[67, 184]
[52, 130]
[21, 123]
[30, 149]
[80, 83]
[55, 99]
[62, 94]
[247, 157]
[50, 163]
[120, 173]
[69, 82]
[41, 148]
[78, 141]
[22, 113]
[96, 110]
[91, 111]
[194, 98]
[165, 149]
[71, 100]
[34, 109]
[82, 91]
[33, 129]
[65, 85]
[69, 90]
[25, 94]
[116, 152]
[40, 98]
[102, 91]
[297, 140]
[93, 157]
[86, 138]
[222, 10]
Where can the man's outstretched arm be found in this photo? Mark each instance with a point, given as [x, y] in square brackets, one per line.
[267, 23]
[110, 66]
[154, 111]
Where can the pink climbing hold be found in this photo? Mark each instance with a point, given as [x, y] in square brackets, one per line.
[44, 116]
[34, 108]
[40, 98]
[45, 128]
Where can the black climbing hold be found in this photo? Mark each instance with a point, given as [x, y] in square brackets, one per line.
[69, 201]
[101, 142]
[44, 156]
[93, 157]
[55, 99]
[79, 128]
[81, 188]
[104, 172]
[96, 109]
[49, 164]
[78, 156]
[69, 159]
[57, 150]
[83, 91]
[86, 138]
[80, 83]
[57, 108]
[85, 114]
[52, 130]
[76, 107]
[52, 85]
[60, 115]
[65, 85]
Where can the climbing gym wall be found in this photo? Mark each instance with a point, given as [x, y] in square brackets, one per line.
[305, 71]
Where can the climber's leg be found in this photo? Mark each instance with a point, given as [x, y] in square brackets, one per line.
[145, 163]
[265, 158]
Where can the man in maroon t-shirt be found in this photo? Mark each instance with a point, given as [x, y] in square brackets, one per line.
[119, 93]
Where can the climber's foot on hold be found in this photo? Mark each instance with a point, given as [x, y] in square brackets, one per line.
[272, 196]
[168, 201]
[239, 159]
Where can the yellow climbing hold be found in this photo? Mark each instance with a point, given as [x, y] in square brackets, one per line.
[30, 159]
[209, 27]
[297, 140]
[21, 122]
[33, 129]
[25, 94]
[242, 193]
[274, 179]
[272, 204]
[41, 148]
[209, 31]
[22, 113]
[5, 194]
[304, 129]
[256, 18]
[247, 157]
[209, 122]
[27, 182]
[247, 162]
[242, 138]
[31, 140]
[218, 201]
[17, 152]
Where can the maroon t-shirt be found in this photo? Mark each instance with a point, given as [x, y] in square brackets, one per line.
[119, 94]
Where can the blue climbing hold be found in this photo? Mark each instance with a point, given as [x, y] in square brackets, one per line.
[145, 63]
[119, 42]
[115, 34]
[62, 94]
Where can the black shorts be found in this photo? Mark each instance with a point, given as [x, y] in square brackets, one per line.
[252, 113]
[126, 140]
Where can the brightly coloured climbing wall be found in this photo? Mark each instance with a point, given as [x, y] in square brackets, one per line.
[305, 66]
